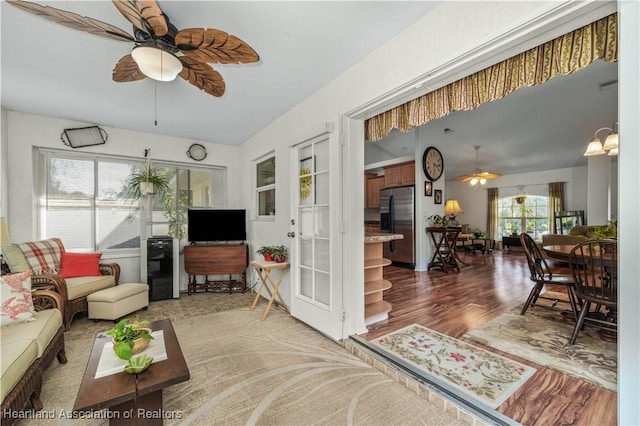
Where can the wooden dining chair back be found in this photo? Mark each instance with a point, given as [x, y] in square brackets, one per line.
[594, 266]
[541, 275]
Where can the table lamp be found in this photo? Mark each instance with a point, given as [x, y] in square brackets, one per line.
[452, 208]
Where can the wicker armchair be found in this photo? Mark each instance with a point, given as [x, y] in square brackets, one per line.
[74, 291]
[29, 386]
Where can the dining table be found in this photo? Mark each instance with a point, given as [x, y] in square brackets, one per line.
[559, 251]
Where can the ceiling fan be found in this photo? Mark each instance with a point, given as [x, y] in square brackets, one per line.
[478, 176]
[161, 52]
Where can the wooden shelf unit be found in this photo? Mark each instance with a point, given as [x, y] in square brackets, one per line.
[375, 307]
[217, 259]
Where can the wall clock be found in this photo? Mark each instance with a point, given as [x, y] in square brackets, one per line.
[197, 152]
[432, 163]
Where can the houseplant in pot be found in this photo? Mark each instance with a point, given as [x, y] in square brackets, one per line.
[279, 253]
[147, 181]
[130, 337]
[438, 221]
[266, 252]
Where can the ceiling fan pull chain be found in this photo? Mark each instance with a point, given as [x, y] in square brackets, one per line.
[155, 101]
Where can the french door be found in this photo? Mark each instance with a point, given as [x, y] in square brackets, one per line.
[316, 261]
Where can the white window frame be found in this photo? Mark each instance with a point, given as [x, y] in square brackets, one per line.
[523, 219]
[41, 177]
[264, 188]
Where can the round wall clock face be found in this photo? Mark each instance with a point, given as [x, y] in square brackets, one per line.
[432, 163]
[197, 152]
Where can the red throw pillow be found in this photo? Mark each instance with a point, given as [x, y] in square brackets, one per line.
[79, 264]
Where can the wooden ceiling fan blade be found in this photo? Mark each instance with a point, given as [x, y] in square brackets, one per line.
[464, 178]
[202, 76]
[73, 20]
[215, 46]
[144, 14]
[127, 70]
[489, 175]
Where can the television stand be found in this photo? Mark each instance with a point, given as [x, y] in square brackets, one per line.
[217, 259]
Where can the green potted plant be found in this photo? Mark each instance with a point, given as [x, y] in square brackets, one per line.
[279, 253]
[604, 232]
[438, 221]
[266, 252]
[147, 181]
[130, 337]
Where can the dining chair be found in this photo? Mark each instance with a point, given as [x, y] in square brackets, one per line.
[541, 275]
[594, 266]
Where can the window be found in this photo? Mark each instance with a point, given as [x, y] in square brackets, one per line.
[266, 187]
[85, 203]
[530, 216]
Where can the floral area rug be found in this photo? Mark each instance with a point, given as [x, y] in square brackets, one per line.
[485, 376]
[542, 337]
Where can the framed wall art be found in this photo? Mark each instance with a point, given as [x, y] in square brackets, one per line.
[428, 188]
[437, 196]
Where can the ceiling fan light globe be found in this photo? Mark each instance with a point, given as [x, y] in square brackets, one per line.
[156, 63]
[483, 181]
[473, 181]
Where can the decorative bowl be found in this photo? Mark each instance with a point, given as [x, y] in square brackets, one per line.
[138, 364]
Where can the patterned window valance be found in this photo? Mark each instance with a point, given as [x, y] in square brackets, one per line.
[564, 55]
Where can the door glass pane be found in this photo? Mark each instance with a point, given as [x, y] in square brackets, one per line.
[306, 253]
[305, 228]
[306, 283]
[306, 193]
[322, 287]
[322, 156]
[322, 222]
[322, 188]
[322, 255]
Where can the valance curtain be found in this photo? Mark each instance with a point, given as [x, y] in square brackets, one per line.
[492, 212]
[556, 202]
[564, 55]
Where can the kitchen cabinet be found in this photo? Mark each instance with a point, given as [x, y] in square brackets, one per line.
[372, 191]
[403, 174]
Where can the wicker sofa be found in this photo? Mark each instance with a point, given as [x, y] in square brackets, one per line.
[74, 290]
[28, 348]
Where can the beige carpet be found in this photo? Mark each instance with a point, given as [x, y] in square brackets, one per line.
[247, 371]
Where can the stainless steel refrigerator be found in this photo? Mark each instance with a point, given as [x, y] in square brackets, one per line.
[397, 217]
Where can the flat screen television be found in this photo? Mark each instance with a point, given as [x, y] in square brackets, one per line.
[216, 225]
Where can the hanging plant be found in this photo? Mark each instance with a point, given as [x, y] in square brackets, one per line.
[520, 199]
[147, 181]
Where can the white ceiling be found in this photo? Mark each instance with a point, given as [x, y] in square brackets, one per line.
[51, 70]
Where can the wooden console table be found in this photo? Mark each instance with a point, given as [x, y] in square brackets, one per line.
[510, 241]
[217, 259]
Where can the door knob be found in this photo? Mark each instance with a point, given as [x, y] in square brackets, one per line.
[291, 234]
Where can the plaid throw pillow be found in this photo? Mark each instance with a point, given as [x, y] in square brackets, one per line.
[43, 256]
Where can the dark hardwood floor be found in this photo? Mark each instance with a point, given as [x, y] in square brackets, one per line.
[456, 303]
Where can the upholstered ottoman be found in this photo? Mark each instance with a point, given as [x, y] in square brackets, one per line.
[115, 302]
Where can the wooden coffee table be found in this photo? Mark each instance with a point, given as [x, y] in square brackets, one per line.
[132, 398]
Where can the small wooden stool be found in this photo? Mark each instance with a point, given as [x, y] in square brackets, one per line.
[263, 269]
